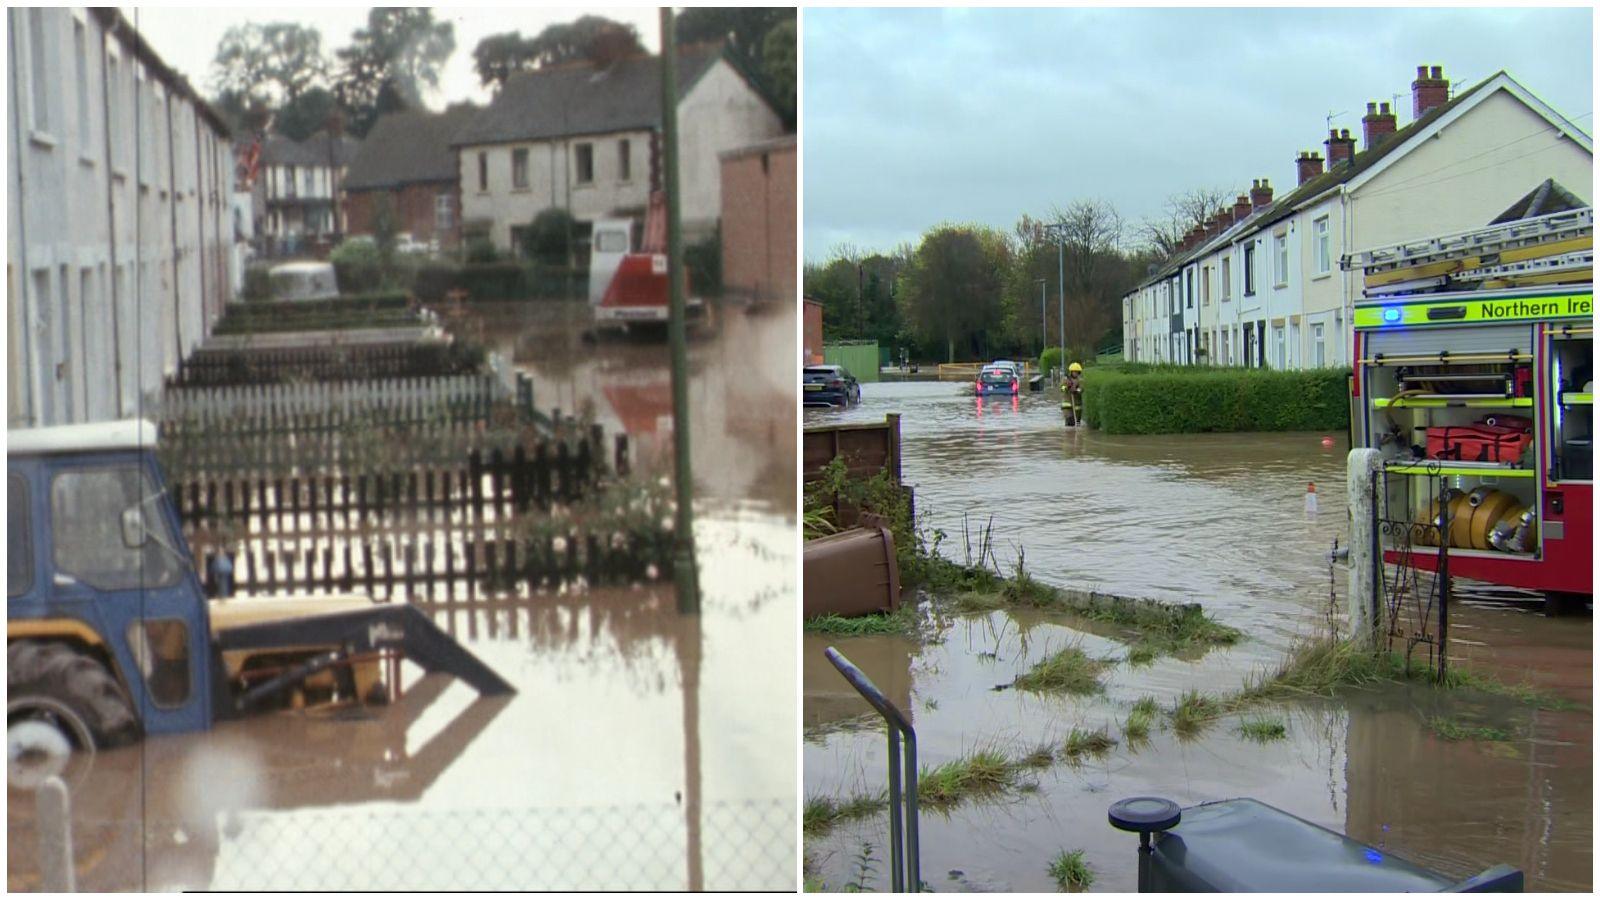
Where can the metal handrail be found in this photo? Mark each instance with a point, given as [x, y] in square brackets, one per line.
[905, 861]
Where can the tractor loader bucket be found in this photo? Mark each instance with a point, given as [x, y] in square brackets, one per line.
[399, 627]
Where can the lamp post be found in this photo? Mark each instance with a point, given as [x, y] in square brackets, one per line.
[1044, 326]
[688, 582]
[1058, 231]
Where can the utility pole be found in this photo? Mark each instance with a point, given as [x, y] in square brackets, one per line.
[1044, 325]
[1058, 230]
[687, 579]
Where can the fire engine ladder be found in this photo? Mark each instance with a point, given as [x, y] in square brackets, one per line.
[1554, 248]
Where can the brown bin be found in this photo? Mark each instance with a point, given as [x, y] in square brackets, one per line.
[851, 573]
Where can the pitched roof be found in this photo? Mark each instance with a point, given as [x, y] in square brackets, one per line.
[409, 147]
[579, 98]
[1285, 206]
[1549, 197]
[315, 150]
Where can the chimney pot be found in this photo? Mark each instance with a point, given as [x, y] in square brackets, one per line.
[1371, 107]
[1261, 194]
[1308, 166]
[1437, 72]
[1241, 207]
[1376, 126]
[1341, 148]
[1430, 91]
[1422, 72]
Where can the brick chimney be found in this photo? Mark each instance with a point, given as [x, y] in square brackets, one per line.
[1220, 221]
[1260, 194]
[1376, 125]
[1429, 91]
[1241, 207]
[1341, 147]
[1308, 165]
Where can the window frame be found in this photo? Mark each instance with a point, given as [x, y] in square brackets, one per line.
[583, 158]
[1249, 269]
[1322, 241]
[173, 573]
[1280, 259]
[38, 63]
[23, 500]
[519, 168]
[1227, 279]
[483, 171]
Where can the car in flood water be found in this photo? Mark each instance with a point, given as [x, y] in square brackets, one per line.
[1000, 377]
[829, 386]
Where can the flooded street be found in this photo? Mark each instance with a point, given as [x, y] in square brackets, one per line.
[638, 752]
[1215, 519]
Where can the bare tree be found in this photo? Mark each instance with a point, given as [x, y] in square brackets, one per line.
[1184, 211]
[1089, 233]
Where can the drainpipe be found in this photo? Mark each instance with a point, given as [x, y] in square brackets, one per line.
[114, 288]
[177, 252]
[32, 393]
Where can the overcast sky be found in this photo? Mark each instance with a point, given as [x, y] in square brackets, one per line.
[187, 38]
[914, 117]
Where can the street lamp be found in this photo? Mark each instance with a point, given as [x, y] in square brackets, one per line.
[1058, 230]
[1044, 327]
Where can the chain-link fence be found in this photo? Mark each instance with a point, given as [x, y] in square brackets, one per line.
[745, 845]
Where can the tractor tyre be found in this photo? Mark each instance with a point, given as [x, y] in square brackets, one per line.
[72, 688]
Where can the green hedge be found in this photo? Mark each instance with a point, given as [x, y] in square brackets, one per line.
[496, 281]
[379, 309]
[1140, 398]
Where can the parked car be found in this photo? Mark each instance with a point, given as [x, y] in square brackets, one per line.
[303, 281]
[829, 386]
[999, 377]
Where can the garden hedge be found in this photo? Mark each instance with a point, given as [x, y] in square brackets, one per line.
[496, 281]
[1140, 398]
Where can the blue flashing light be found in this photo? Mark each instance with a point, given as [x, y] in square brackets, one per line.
[1374, 856]
[1391, 315]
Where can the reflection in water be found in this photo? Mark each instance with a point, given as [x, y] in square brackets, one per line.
[1220, 519]
[642, 750]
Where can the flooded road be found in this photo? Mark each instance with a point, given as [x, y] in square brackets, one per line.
[638, 752]
[1218, 519]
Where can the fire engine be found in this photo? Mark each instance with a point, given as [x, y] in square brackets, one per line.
[1474, 363]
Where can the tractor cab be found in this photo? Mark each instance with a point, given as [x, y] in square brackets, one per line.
[110, 636]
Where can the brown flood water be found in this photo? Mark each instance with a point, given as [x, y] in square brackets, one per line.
[638, 753]
[1219, 519]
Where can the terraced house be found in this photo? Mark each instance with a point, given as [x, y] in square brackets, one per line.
[118, 227]
[581, 137]
[1261, 284]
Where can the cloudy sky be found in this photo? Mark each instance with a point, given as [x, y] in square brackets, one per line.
[187, 38]
[916, 117]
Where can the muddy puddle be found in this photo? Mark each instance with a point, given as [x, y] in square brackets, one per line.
[1220, 520]
[638, 752]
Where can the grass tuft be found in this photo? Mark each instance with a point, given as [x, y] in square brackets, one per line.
[821, 814]
[1069, 670]
[1137, 726]
[1193, 712]
[1081, 743]
[1451, 730]
[903, 621]
[1070, 871]
[980, 773]
[1263, 730]
[1040, 757]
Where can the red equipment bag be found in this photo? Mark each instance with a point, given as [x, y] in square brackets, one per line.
[1478, 443]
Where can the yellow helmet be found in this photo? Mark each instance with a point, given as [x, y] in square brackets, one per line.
[1075, 367]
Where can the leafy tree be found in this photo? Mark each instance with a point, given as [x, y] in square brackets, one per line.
[748, 32]
[952, 289]
[550, 237]
[597, 38]
[307, 114]
[389, 63]
[779, 65]
[273, 61]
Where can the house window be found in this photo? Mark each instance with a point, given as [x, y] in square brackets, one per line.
[1319, 350]
[39, 70]
[585, 164]
[444, 212]
[1277, 346]
[483, 170]
[624, 160]
[1188, 288]
[1250, 269]
[1205, 286]
[311, 182]
[1227, 278]
[289, 183]
[80, 53]
[519, 168]
[113, 93]
[1280, 271]
[1319, 231]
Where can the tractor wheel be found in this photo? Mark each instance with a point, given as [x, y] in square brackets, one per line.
[53, 683]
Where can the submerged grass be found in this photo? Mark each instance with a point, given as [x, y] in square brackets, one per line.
[1262, 729]
[1071, 871]
[980, 773]
[1193, 712]
[1081, 743]
[1069, 670]
[904, 621]
[1452, 730]
[821, 814]
[1040, 757]
[1137, 726]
